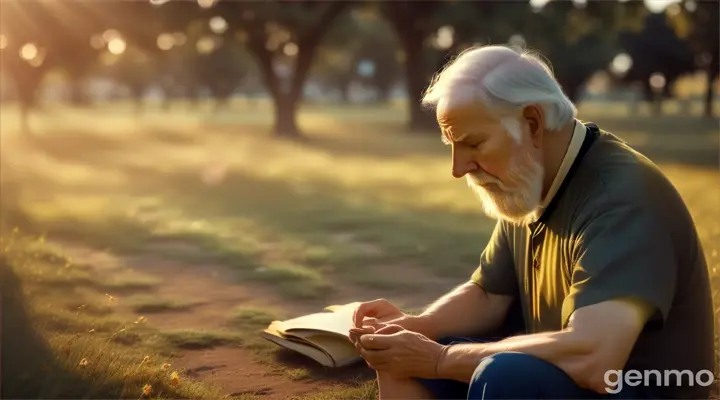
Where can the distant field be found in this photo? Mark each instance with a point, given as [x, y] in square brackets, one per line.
[203, 228]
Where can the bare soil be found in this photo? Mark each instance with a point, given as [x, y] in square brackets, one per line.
[217, 289]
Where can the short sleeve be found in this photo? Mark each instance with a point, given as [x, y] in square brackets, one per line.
[496, 272]
[623, 250]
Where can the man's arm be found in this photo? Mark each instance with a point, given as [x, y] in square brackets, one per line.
[598, 339]
[481, 304]
[623, 281]
[466, 310]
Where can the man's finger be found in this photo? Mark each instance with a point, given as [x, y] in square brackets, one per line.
[368, 309]
[389, 330]
[379, 342]
[375, 357]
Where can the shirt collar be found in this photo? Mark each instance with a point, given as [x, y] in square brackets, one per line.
[570, 154]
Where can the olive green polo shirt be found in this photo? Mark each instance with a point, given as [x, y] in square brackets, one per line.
[612, 226]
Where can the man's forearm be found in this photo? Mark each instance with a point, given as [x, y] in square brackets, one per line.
[467, 310]
[565, 349]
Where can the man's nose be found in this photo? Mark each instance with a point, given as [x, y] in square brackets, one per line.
[462, 163]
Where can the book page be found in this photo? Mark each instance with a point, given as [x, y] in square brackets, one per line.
[338, 322]
[339, 348]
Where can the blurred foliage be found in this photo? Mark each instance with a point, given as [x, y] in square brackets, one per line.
[222, 47]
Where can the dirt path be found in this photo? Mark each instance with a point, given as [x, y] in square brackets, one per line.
[216, 288]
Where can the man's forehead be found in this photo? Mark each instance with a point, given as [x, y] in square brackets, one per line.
[453, 112]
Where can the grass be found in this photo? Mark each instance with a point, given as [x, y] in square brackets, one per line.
[354, 210]
[251, 318]
[192, 339]
[60, 344]
[148, 304]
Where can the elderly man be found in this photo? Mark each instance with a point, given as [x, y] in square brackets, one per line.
[593, 248]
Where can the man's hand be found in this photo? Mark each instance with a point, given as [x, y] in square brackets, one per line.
[401, 353]
[381, 310]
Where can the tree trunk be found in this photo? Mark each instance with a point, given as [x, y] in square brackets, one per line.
[416, 80]
[286, 118]
[286, 101]
[712, 75]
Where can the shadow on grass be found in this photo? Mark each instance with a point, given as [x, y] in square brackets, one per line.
[432, 237]
[27, 360]
[357, 371]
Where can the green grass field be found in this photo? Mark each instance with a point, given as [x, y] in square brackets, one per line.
[177, 236]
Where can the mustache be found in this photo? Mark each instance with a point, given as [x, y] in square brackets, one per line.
[482, 179]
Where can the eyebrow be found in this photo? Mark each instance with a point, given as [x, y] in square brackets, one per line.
[447, 141]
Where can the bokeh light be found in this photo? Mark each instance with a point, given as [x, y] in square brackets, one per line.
[97, 42]
[117, 46]
[179, 38]
[206, 3]
[291, 49]
[621, 64]
[110, 34]
[205, 45]
[517, 40]
[165, 41]
[3, 42]
[28, 51]
[218, 25]
[658, 6]
[537, 5]
[657, 81]
[445, 37]
[580, 3]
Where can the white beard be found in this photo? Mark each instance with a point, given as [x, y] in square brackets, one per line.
[517, 200]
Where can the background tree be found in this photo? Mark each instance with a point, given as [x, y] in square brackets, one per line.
[283, 38]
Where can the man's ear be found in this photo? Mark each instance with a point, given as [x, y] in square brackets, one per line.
[536, 123]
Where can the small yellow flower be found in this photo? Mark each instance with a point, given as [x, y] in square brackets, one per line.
[84, 362]
[147, 389]
[141, 320]
[165, 366]
[110, 298]
[146, 359]
[174, 378]
[91, 330]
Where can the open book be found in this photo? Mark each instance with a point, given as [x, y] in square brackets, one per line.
[321, 336]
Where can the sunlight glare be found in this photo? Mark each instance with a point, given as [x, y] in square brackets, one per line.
[117, 46]
[28, 52]
[158, 2]
[690, 5]
[3, 42]
[218, 25]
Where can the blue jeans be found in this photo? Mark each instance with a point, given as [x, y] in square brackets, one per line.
[513, 375]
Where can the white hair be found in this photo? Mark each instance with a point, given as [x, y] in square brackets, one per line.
[505, 80]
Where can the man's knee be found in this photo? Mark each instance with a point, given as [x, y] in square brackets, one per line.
[501, 368]
[518, 375]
